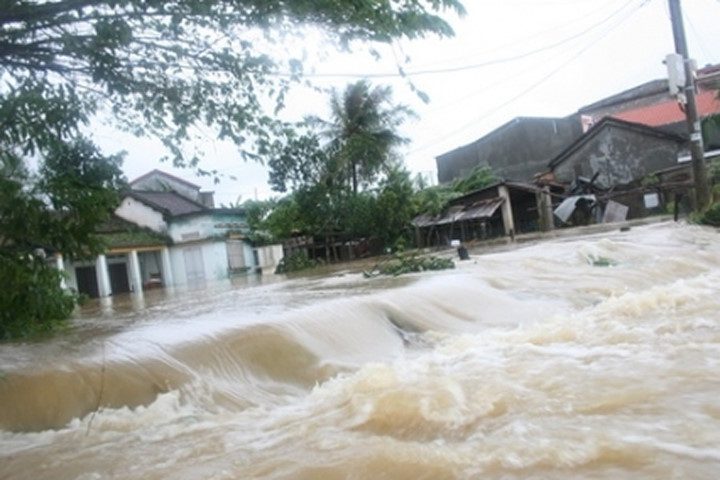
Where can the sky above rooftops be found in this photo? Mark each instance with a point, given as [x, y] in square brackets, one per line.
[509, 58]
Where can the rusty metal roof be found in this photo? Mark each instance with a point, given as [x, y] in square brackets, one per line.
[460, 213]
[481, 209]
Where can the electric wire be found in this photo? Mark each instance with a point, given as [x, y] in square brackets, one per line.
[475, 66]
[531, 87]
[519, 41]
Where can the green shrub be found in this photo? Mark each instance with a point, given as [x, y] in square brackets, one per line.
[710, 217]
[406, 263]
[295, 262]
[31, 300]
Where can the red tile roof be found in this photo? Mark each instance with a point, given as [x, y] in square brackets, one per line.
[669, 112]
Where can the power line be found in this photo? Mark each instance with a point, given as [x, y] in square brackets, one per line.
[696, 34]
[473, 66]
[522, 40]
[531, 87]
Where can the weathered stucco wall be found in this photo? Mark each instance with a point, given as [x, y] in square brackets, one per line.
[620, 155]
[214, 262]
[140, 214]
[516, 151]
[207, 225]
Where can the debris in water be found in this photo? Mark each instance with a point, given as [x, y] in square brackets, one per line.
[406, 263]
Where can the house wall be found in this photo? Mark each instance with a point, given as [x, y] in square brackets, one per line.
[620, 155]
[157, 182]
[516, 151]
[214, 259]
[269, 256]
[194, 227]
[140, 214]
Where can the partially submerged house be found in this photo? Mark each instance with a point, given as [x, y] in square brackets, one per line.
[166, 232]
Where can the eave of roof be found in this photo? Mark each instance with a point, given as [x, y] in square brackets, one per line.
[141, 197]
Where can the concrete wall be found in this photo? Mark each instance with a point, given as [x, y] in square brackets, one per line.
[140, 214]
[194, 227]
[269, 256]
[516, 151]
[620, 155]
[214, 259]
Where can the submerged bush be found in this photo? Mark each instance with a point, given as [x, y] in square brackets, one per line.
[711, 216]
[407, 263]
[295, 262]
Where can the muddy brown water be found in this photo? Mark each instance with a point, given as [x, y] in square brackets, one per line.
[591, 357]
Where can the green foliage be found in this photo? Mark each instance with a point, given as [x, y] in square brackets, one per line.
[402, 263]
[31, 301]
[352, 148]
[157, 68]
[434, 200]
[478, 178]
[162, 68]
[650, 180]
[711, 216]
[324, 179]
[295, 263]
[394, 208]
[56, 209]
[714, 171]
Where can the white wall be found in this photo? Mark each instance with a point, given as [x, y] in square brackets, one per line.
[269, 256]
[191, 228]
[214, 257]
[140, 214]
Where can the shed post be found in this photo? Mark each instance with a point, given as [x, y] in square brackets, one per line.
[544, 207]
[506, 211]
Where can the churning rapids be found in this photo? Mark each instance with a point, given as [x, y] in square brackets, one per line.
[540, 362]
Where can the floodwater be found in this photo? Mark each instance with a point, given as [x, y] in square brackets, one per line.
[592, 357]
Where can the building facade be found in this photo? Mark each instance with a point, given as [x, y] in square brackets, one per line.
[167, 233]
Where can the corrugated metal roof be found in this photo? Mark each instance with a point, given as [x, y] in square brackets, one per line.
[481, 209]
[460, 213]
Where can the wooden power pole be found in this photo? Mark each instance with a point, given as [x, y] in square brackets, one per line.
[702, 188]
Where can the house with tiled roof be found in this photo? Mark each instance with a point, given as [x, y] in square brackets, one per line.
[652, 104]
[166, 232]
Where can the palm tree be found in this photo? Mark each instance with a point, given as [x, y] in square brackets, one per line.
[363, 130]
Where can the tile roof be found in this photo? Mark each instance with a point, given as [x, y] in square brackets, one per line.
[170, 203]
[670, 112]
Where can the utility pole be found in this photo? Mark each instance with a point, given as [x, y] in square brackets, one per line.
[702, 188]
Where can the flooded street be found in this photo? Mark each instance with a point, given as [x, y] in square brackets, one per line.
[588, 357]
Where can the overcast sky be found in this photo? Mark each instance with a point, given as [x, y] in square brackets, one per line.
[509, 58]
